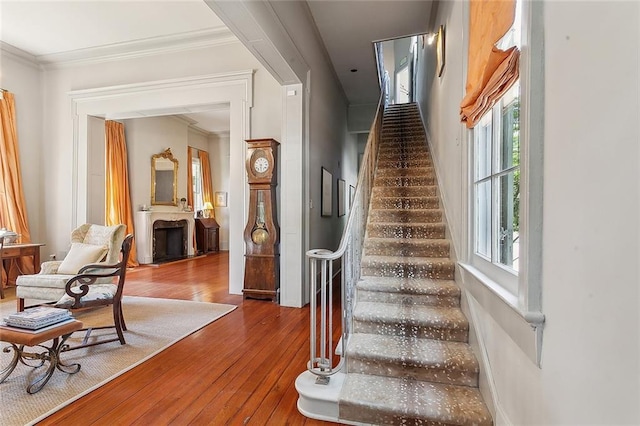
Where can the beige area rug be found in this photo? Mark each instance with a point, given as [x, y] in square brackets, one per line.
[153, 325]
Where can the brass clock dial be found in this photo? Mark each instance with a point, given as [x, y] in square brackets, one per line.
[261, 165]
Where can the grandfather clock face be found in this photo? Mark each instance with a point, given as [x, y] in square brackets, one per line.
[260, 165]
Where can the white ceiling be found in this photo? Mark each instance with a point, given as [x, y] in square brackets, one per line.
[348, 28]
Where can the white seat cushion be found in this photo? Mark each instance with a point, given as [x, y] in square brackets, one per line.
[41, 280]
[96, 292]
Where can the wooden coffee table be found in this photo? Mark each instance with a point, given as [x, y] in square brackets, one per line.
[18, 340]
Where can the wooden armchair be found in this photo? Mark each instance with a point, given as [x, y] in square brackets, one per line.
[87, 290]
[90, 244]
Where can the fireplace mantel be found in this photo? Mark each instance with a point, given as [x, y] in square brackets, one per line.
[144, 231]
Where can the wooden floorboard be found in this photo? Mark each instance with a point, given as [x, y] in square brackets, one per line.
[237, 370]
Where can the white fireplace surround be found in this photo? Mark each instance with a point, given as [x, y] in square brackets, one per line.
[144, 231]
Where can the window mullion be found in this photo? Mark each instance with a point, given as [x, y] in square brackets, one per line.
[495, 167]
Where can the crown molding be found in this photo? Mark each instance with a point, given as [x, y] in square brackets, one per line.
[139, 48]
[7, 50]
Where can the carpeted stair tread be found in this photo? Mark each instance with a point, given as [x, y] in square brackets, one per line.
[415, 180]
[401, 401]
[409, 291]
[411, 321]
[421, 359]
[406, 230]
[412, 286]
[403, 164]
[410, 247]
[404, 191]
[405, 202]
[419, 171]
[405, 216]
[398, 266]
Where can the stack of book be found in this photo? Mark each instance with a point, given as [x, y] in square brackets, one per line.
[38, 318]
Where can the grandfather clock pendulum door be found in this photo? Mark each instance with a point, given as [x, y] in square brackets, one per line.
[262, 233]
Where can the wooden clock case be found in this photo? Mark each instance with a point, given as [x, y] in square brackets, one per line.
[262, 233]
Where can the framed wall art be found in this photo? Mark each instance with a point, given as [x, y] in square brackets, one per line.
[221, 199]
[342, 197]
[326, 196]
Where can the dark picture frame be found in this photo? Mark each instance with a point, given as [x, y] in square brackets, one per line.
[352, 195]
[326, 195]
[342, 205]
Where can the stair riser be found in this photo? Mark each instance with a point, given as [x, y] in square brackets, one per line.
[405, 216]
[395, 157]
[405, 180]
[403, 164]
[402, 248]
[409, 203]
[399, 144]
[403, 191]
[409, 299]
[422, 171]
[410, 330]
[412, 123]
[395, 146]
[406, 231]
[400, 368]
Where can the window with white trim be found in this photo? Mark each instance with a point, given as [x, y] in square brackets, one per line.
[196, 179]
[496, 184]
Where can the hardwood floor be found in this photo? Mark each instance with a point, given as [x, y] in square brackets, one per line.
[238, 370]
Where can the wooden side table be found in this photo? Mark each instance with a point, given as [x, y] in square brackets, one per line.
[19, 339]
[207, 235]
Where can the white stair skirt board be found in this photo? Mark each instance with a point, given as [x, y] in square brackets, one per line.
[319, 402]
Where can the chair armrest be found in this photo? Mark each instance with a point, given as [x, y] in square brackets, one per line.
[50, 267]
[99, 269]
[78, 286]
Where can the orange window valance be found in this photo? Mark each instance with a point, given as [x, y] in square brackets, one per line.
[491, 71]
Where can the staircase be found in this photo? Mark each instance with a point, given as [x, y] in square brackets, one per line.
[408, 360]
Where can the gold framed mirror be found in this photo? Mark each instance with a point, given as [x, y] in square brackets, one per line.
[164, 179]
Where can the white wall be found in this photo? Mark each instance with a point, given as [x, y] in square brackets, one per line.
[590, 349]
[22, 77]
[149, 136]
[219, 157]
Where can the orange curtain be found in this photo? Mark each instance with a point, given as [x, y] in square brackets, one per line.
[13, 208]
[118, 201]
[207, 186]
[491, 71]
[189, 178]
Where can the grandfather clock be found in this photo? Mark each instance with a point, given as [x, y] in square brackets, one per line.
[262, 233]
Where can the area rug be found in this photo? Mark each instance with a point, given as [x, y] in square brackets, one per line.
[153, 325]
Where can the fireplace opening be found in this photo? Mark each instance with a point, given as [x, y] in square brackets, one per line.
[169, 240]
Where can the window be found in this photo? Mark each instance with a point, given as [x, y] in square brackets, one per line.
[196, 179]
[496, 184]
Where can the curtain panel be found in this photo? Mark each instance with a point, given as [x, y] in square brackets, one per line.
[118, 201]
[207, 185]
[13, 208]
[490, 71]
[190, 178]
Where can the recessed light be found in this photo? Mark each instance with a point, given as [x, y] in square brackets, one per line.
[354, 70]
